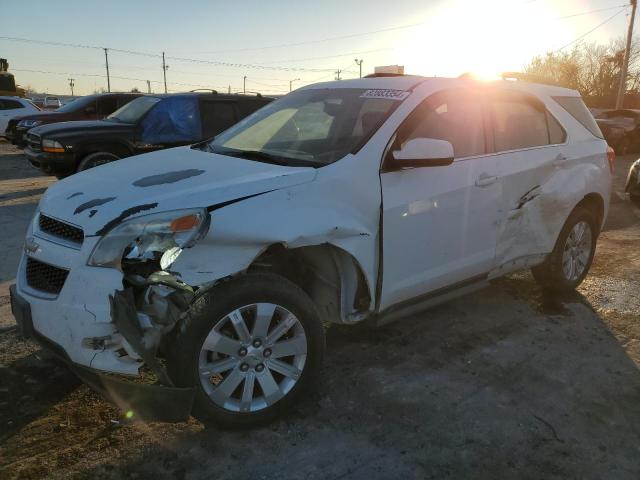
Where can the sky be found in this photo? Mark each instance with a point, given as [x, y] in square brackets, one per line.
[213, 44]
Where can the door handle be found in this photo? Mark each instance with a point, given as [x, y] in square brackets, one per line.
[485, 180]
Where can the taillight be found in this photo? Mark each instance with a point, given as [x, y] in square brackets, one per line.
[611, 158]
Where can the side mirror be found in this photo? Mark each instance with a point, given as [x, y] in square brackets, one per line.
[90, 110]
[424, 152]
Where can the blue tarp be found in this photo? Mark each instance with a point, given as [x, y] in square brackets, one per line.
[173, 120]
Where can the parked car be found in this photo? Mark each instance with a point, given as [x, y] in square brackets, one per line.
[214, 266]
[12, 107]
[148, 123]
[51, 103]
[621, 129]
[632, 186]
[91, 107]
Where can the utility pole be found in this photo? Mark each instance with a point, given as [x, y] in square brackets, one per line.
[229, 89]
[244, 85]
[291, 82]
[164, 72]
[359, 63]
[71, 84]
[625, 63]
[106, 59]
[148, 86]
[338, 72]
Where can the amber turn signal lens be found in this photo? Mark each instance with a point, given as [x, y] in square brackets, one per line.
[187, 222]
[53, 150]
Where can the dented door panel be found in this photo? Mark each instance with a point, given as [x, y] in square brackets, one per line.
[541, 186]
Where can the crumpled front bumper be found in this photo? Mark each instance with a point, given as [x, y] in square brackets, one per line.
[146, 402]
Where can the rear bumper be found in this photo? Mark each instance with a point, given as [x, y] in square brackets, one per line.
[52, 163]
[147, 402]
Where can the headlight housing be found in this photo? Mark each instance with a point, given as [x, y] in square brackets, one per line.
[29, 123]
[51, 146]
[157, 237]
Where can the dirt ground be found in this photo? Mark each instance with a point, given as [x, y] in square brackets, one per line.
[505, 383]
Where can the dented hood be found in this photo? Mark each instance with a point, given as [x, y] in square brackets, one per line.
[166, 180]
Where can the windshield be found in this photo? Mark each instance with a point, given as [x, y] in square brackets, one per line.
[78, 104]
[317, 126]
[134, 110]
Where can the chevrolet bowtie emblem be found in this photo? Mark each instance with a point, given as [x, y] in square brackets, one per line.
[30, 246]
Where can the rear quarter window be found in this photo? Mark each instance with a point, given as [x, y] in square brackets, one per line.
[578, 110]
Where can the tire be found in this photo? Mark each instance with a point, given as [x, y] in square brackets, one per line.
[190, 364]
[551, 274]
[96, 159]
[635, 199]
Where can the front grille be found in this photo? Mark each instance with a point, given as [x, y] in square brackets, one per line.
[60, 229]
[34, 142]
[45, 277]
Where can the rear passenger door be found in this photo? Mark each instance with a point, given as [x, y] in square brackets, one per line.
[530, 146]
[217, 116]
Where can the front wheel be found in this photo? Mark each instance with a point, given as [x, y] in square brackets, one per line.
[96, 159]
[250, 347]
[570, 260]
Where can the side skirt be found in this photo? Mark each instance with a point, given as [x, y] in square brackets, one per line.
[431, 299]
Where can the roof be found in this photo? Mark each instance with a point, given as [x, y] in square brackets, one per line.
[407, 82]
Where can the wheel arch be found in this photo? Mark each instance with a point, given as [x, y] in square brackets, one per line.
[120, 149]
[595, 204]
[332, 277]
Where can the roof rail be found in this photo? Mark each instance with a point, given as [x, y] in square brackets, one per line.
[378, 75]
[528, 77]
[203, 90]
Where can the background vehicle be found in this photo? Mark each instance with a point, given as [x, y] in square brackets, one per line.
[621, 129]
[152, 122]
[51, 103]
[345, 201]
[91, 107]
[12, 107]
[632, 186]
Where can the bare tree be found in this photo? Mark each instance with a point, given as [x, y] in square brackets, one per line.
[592, 69]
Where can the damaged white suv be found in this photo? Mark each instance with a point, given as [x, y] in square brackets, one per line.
[213, 267]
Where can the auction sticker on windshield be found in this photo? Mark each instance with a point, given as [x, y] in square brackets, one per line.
[385, 93]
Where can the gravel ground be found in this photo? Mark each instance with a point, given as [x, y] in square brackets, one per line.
[505, 383]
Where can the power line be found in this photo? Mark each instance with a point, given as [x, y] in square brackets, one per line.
[592, 30]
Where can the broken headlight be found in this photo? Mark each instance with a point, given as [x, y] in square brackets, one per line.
[159, 237]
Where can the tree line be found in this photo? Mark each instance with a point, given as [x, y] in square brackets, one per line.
[594, 70]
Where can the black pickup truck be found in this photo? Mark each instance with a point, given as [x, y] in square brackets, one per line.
[91, 107]
[150, 122]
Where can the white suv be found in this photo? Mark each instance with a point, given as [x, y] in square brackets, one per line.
[214, 266]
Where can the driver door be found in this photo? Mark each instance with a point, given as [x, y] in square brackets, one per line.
[440, 223]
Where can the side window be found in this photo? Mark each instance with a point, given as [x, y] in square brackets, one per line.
[12, 105]
[107, 105]
[217, 117]
[556, 132]
[122, 101]
[518, 124]
[175, 119]
[453, 116]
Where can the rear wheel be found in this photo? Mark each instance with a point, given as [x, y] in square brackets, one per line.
[568, 264]
[250, 348]
[96, 159]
